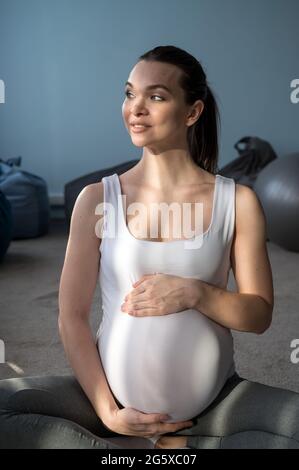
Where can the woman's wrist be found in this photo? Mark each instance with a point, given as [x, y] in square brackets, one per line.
[107, 415]
[193, 293]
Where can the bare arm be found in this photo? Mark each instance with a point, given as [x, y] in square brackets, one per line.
[76, 290]
[249, 309]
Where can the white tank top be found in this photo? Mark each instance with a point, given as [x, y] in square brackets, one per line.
[176, 363]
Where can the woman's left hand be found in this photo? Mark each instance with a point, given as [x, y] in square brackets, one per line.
[158, 294]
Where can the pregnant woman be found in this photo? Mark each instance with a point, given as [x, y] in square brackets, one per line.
[163, 351]
[165, 341]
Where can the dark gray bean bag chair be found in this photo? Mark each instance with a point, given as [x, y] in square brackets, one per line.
[28, 197]
[254, 155]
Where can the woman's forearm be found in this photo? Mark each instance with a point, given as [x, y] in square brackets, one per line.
[84, 358]
[237, 311]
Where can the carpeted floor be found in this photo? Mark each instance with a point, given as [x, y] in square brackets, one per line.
[29, 281]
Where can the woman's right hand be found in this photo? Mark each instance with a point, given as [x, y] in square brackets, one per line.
[131, 422]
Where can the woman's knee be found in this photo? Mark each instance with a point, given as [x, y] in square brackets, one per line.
[32, 394]
[55, 396]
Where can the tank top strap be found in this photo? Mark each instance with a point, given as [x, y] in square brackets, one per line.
[109, 205]
[110, 190]
[112, 206]
[224, 210]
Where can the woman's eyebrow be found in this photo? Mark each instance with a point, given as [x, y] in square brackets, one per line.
[151, 87]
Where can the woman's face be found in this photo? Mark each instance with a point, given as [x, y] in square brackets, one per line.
[164, 112]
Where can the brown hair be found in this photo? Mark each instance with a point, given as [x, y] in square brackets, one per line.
[202, 136]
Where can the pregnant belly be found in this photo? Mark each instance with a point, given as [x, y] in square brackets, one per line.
[174, 364]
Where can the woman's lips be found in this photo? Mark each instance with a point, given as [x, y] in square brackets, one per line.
[138, 129]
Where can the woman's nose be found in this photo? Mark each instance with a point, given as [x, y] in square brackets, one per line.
[138, 109]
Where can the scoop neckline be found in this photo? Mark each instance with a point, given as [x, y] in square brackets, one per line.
[168, 242]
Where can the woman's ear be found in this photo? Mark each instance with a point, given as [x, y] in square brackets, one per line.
[196, 111]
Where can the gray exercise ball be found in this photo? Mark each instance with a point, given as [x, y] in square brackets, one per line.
[277, 187]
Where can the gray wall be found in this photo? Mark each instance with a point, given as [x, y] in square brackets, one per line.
[64, 64]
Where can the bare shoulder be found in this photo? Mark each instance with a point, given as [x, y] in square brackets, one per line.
[89, 197]
[92, 192]
[249, 211]
[87, 215]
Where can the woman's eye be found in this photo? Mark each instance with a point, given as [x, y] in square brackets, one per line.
[128, 93]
